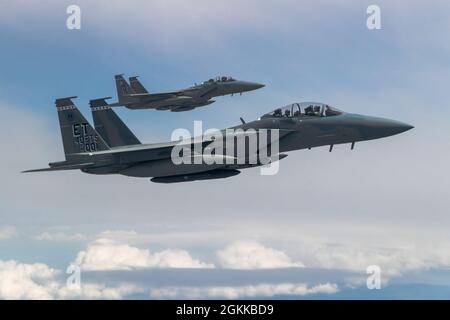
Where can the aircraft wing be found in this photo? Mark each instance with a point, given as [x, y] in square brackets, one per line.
[199, 91]
[152, 151]
[152, 97]
[155, 96]
[208, 91]
[282, 133]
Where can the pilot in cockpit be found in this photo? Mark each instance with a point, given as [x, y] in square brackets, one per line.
[309, 111]
[317, 110]
[277, 113]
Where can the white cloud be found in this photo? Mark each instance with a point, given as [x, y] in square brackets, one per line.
[62, 236]
[7, 232]
[236, 292]
[40, 282]
[26, 281]
[252, 255]
[392, 261]
[106, 254]
[98, 291]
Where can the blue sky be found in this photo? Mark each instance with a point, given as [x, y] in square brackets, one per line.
[325, 215]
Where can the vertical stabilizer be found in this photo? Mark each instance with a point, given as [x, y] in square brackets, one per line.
[136, 85]
[110, 126]
[77, 134]
[123, 89]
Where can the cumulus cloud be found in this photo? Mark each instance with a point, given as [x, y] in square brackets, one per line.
[106, 254]
[98, 291]
[38, 281]
[236, 292]
[253, 255]
[7, 232]
[26, 281]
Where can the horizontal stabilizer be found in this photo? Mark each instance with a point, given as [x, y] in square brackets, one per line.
[61, 168]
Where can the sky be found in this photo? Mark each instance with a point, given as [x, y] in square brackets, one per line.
[309, 232]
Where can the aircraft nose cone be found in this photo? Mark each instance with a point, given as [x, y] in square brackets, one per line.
[254, 85]
[406, 127]
[396, 126]
[379, 127]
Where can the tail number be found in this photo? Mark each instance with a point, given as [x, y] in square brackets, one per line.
[86, 142]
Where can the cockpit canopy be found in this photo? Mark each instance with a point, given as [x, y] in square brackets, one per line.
[304, 109]
[220, 79]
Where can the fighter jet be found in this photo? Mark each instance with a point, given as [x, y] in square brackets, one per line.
[135, 96]
[111, 148]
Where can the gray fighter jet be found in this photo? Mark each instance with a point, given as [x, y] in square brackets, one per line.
[135, 96]
[111, 148]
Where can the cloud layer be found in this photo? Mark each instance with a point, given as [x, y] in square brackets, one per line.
[240, 292]
[116, 270]
[39, 281]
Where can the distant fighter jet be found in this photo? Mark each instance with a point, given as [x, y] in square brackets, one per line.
[111, 148]
[135, 96]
